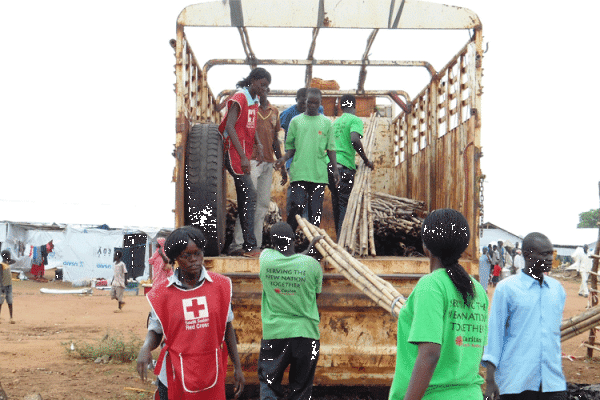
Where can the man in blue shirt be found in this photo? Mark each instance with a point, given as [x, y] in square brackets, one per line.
[523, 356]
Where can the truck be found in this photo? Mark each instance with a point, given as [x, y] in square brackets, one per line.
[427, 148]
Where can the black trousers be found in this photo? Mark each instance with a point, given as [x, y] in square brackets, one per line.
[306, 195]
[340, 194]
[301, 354]
[531, 395]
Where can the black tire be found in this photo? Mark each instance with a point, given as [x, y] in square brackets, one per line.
[205, 186]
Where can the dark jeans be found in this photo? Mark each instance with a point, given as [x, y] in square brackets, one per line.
[306, 195]
[275, 355]
[340, 194]
[288, 202]
[163, 391]
[531, 395]
[246, 200]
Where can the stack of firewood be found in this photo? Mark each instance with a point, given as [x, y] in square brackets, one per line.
[397, 224]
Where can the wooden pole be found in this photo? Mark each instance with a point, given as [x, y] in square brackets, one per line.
[594, 285]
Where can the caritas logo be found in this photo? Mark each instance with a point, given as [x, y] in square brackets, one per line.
[277, 290]
[459, 341]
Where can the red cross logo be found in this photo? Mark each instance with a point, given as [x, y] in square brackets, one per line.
[195, 308]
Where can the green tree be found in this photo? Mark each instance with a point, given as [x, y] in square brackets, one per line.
[589, 219]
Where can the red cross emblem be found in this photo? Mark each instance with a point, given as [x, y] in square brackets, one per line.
[195, 308]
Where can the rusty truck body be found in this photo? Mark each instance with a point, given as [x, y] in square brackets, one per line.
[429, 150]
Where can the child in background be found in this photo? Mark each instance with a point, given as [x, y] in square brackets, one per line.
[496, 275]
[118, 283]
[6, 283]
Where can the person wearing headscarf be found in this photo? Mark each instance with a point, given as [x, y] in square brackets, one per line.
[161, 269]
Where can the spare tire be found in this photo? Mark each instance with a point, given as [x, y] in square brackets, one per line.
[205, 185]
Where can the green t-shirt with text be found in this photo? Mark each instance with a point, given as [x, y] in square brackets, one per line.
[311, 137]
[342, 128]
[435, 313]
[289, 303]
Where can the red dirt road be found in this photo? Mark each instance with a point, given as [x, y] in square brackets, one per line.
[33, 358]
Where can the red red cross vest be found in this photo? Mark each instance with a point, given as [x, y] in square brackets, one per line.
[245, 127]
[193, 323]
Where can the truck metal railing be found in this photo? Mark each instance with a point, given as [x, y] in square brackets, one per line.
[445, 119]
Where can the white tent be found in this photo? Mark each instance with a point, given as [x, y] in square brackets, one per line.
[83, 252]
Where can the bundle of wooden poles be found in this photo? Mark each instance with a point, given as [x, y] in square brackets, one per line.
[357, 233]
[377, 289]
[580, 323]
[397, 224]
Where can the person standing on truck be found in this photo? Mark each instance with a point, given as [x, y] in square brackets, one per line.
[523, 356]
[6, 283]
[261, 171]
[117, 287]
[238, 128]
[443, 326]
[348, 129]
[290, 318]
[286, 117]
[310, 140]
[192, 310]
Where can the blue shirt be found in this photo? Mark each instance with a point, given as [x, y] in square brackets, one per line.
[285, 118]
[524, 335]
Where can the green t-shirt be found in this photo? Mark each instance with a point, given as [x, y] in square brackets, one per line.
[342, 128]
[435, 313]
[311, 137]
[289, 304]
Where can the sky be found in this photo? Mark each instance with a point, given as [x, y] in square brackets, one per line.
[88, 109]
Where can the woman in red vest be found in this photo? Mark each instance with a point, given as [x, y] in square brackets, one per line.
[192, 311]
[238, 129]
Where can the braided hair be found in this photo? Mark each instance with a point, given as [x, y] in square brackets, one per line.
[255, 74]
[446, 235]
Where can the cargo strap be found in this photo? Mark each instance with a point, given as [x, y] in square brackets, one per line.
[397, 299]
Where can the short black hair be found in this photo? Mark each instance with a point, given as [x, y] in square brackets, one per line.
[531, 238]
[118, 253]
[179, 239]
[313, 90]
[301, 92]
[282, 235]
[348, 101]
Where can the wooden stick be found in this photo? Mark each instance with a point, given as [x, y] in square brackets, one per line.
[377, 289]
[579, 317]
[579, 328]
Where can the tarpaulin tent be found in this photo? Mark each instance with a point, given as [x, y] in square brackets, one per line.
[83, 252]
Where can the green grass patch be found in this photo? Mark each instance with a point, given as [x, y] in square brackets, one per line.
[112, 346]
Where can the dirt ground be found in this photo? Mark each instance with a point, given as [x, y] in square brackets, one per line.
[33, 358]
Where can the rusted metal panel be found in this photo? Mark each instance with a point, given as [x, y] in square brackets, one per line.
[368, 14]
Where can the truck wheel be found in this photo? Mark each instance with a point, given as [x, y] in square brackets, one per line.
[205, 185]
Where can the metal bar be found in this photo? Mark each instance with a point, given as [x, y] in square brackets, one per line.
[327, 93]
[181, 129]
[382, 63]
[251, 57]
[362, 76]
[311, 53]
